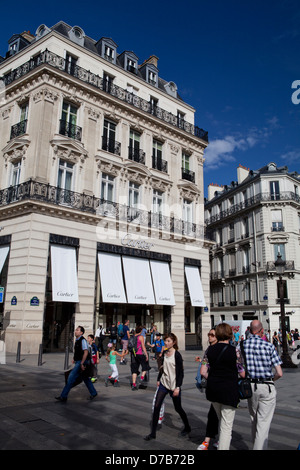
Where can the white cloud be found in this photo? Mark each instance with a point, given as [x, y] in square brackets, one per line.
[223, 150]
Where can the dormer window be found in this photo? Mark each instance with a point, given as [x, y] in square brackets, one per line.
[131, 66]
[152, 77]
[109, 53]
[107, 49]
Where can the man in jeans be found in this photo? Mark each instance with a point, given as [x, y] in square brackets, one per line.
[80, 355]
[261, 357]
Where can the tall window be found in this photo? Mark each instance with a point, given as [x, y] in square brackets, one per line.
[274, 190]
[185, 162]
[24, 111]
[277, 225]
[107, 187]
[15, 174]
[187, 215]
[279, 249]
[133, 199]
[157, 155]
[134, 147]
[107, 82]
[109, 138]
[68, 121]
[70, 63]
[157, 202]
[65, 175]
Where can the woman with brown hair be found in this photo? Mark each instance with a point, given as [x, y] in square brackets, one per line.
[221, 369]
[169, 381]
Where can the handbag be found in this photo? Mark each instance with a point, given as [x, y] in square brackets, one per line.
[201, 382]
[244, 385]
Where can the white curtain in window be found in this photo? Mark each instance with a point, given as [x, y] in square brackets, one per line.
[64, 274]
[3, 255]
[162, 283]
[195, 286]
[111, 278]
[138, 280]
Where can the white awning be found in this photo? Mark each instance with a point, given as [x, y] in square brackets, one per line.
[3, 255]
[162, 283]
[195, 286]
[111, 278]
[64, 274]
[138, 280]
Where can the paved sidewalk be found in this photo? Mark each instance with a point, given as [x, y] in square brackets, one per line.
[119, 418]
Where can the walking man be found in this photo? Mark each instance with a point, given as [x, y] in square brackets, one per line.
[80, 360]
[261, 357]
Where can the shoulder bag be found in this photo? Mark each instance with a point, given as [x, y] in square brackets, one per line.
[244, 385]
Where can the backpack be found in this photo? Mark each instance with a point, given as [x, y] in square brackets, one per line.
[132, 344]
[120, 330]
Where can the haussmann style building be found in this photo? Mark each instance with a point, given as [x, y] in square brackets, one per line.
[253, 220]
[101, 194]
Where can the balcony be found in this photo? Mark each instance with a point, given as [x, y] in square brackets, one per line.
[137, 155]
[111, 145]
[52, 195]
[188, 175]
[92, 79]
[18, 129]
[159, 164]
[70, 130]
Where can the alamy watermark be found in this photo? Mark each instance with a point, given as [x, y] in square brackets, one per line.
[296, 94]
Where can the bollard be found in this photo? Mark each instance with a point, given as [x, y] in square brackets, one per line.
[40, 359]
[18, 358]
[66, 358]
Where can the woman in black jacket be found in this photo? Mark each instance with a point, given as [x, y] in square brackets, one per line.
[169, 381]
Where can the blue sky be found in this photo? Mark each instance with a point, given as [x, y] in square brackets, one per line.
[235, 61]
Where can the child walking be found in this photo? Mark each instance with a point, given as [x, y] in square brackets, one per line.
[111, 357]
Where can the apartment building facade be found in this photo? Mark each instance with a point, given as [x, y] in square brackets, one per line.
[101, 208]
[253, 220]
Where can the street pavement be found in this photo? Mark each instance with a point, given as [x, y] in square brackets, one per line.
[118, 418]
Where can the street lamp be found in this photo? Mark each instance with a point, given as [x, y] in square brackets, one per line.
[280, 270]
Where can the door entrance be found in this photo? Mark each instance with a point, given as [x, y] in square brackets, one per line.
[58, 330]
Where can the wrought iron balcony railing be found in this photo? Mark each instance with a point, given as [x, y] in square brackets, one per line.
[159, 164]
[137, 155]
[50, 58]
[37, 191]
[249, 203]
[188, 175]
[18, 129]
[111, 145]
[70, 130]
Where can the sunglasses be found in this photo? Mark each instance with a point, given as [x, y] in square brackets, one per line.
[211, 334]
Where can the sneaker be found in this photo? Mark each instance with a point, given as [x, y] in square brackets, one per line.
[116, 383]
[91, 397]
[133, 387]
[59, 398]
[203, 446]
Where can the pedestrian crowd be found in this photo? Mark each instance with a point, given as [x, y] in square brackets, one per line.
[228, 361]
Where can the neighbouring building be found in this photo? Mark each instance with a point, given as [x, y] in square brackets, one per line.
[101, 206]
[252, 220]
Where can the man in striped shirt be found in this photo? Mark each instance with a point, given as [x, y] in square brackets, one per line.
[261, 357]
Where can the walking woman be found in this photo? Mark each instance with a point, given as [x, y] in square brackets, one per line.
[221, 371]
[169, 381]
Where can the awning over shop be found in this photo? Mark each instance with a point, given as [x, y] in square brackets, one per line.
[162, 283]
[64, 274]
[194, 283]
[3, 255]
[111, 278]
[138, 280]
